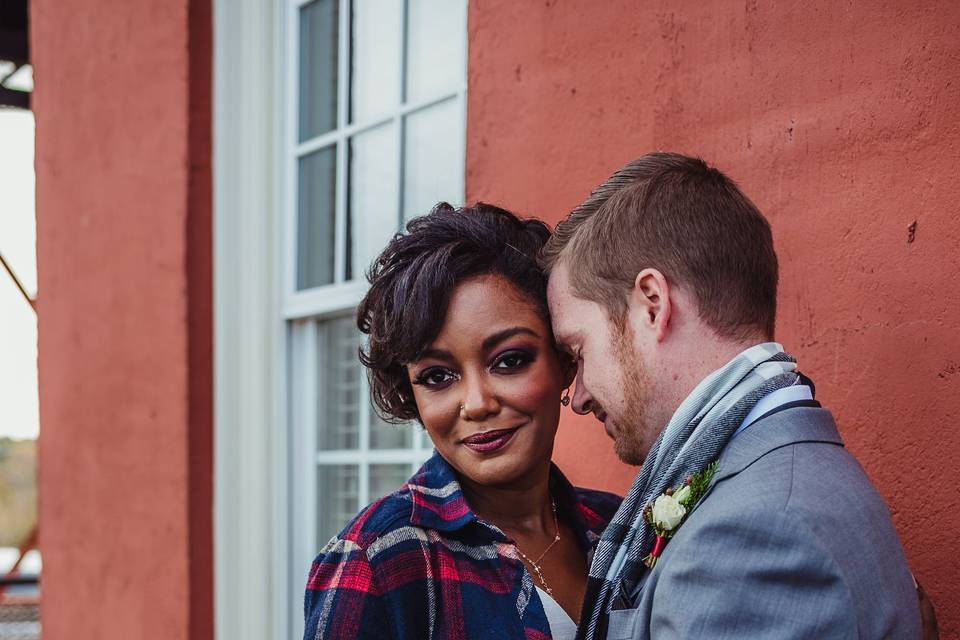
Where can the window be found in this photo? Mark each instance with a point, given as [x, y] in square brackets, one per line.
[375, 136]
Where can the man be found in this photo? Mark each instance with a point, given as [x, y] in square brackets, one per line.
[663, 287]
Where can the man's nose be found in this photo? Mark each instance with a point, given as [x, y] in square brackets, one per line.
[479, 401]
[582, 400]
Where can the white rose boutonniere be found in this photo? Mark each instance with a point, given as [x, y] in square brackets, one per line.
[682, 494]
[670, 509]
[667, 512]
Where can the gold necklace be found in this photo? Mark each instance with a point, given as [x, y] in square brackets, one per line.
[535, 564]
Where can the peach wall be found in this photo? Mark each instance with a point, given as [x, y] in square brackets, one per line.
[840, 121]
[123, 235]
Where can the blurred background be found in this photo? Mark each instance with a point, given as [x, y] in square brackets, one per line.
[19, 408]
[191, 190]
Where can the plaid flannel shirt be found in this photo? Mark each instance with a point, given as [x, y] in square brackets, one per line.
[419, 564]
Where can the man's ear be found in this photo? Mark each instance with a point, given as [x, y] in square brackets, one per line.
[650, 304]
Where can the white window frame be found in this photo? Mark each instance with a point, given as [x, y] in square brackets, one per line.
[334, 298]
[251, 443]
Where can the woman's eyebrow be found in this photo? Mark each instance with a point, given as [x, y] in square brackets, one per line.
[491, 341]
[438, 354]
[488, 343]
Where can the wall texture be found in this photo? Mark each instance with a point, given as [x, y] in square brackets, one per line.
[122, 106]
[840, 120]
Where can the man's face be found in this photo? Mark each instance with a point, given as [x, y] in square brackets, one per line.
[612, 380]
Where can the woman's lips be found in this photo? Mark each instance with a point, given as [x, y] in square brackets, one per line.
[487, 441]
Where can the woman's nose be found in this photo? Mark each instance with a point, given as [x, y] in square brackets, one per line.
[479, 402]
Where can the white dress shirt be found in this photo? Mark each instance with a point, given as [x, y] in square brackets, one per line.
[773, 400]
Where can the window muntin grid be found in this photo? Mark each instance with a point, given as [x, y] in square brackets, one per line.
[418, 101]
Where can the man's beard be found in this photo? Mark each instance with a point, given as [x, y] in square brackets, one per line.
[634, 433]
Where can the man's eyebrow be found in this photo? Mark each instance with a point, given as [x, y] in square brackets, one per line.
[491, 341]
[563, 342]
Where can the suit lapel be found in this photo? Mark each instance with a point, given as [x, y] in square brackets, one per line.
[777, 429]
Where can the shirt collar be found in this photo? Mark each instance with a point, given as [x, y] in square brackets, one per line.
[439, 503]
[773, 400]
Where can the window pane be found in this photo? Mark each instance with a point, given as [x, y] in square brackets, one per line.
[435, 47]
[337, 499]
[319, 47]
[375, 58]
[387, 478]
[315, 218]
[433, 157]
[374, 182]
[384, 435]
[338, 400]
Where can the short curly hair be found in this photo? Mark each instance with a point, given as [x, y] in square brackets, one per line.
[412, 279]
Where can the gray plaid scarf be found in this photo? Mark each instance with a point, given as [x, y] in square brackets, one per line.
[694, 437]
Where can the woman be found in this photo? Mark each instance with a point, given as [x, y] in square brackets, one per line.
[487, 539]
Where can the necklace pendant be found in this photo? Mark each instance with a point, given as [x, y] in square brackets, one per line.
[535, 564]
[543, 581]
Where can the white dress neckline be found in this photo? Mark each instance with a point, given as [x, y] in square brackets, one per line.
[562, 626]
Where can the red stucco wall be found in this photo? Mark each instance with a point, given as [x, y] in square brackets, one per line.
[840, 121]
[123, 236]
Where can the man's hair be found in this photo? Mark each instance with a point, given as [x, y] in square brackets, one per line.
[689, 221]
[412, 279]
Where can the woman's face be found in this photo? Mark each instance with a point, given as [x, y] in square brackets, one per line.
[493, 357]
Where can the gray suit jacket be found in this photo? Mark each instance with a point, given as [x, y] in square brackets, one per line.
[792, 541]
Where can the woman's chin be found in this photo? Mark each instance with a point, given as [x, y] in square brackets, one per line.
[509, 465]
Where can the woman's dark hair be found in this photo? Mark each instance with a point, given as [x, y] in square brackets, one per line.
[412, 279]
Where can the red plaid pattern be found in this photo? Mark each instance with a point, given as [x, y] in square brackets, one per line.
[418, 564]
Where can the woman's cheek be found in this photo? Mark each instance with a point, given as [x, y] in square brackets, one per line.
[536, 390]
[436, 417]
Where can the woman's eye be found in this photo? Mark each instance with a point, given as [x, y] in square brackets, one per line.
[434, 377]
[513, 360]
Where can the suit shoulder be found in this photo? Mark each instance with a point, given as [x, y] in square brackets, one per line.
[808, 478]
